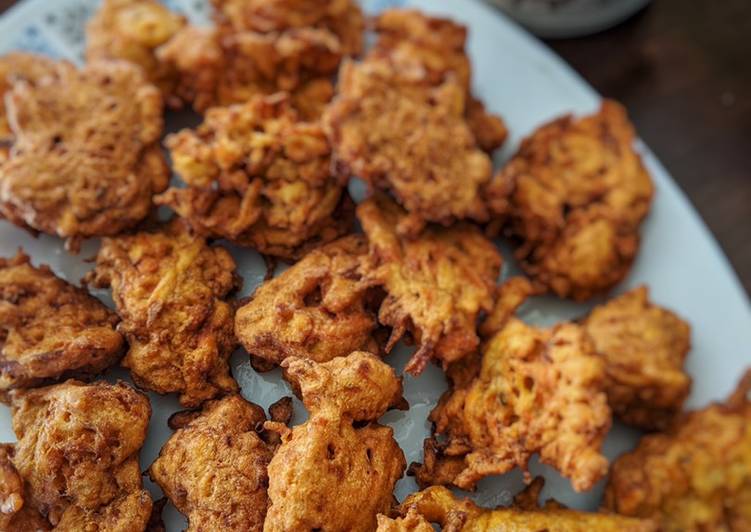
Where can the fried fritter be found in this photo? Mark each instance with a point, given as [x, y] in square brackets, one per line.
[436, 284]
[86, 158]
[411, 139]
[196, 56]
[644, 347]
[219, 70]
[132, 30]
[533, 391]
[328, 474]
[696, 476]
[437, 504]
[213, 468]
[434, 49]
[343, 18]
[15, 66]
[258, 177]
[77, 453]
[50, 329]
[575, 194]
[15, 514]
[411, 522]
[170, 289]
[317, 309]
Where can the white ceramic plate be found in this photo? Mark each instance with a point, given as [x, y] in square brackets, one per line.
[523, 81]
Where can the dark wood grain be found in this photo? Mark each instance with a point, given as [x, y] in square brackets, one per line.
[684, 71]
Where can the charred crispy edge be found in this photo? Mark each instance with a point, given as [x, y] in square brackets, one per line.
[438, 469]
[156, 523]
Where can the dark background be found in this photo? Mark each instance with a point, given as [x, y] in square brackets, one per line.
[683, 69]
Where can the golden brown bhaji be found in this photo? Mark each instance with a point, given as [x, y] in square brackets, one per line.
[86, 158]
[77, 453]
[213, 468]
[575, 194]
[259, 177]
[317, 309]
[644, 347]
[436, 284]
[434, 48]
[214, 69]
[437, 504]
[170, 289]
[132, 30]
[343, 18]
[50, 329]
[533, 391]
[328, 474]
[16, 66]
[694, 477]
[409, 138]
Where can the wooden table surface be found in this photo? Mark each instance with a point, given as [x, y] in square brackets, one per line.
[683, 69]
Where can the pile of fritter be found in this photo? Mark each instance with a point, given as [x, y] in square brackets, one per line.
[294, 108]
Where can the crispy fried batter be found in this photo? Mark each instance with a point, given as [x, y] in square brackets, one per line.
[328, 474]
[132, 30]
[534, 391]
[436, 284]
[170, 289]
[437, 504]
[644, 347]
[216, 69]
[50, 329]
[258, 177]
[575, 194]
[317, 309]
[196, 56]
[343, 18]
[15, 514]
[434, 49]
[694, 477]
[400, 135]
[411, 522]
[16, 66]
[86, 159]
[213, 468]
[77, 453]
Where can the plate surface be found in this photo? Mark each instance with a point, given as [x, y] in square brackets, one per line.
[523, 81]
